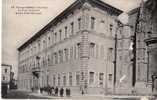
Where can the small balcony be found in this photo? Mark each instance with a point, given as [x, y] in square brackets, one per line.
[151, 38]
[36, 71]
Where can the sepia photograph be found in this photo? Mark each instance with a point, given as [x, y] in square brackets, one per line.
[79, 49]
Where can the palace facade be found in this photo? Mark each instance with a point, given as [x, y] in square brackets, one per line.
[85, 49]
[74, 50]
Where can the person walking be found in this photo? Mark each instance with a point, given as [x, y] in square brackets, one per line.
[66, 92]
[69, 92]
[56, 91]
[61, 92]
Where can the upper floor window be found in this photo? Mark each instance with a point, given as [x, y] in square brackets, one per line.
[6, 70]
[66, 32]
[71, 52]
[44, 44]
[92, 45]
[39, 45]
[111, 27]
[72, 28]
[59, 79]
[79, 23]
[110, 77]
[66, 54]
[78, 50]
[54, 80]
[101, 78]
[61, 56]
[110, 54]
[70, 79]
[64, 80]
[48, 58]
[56, 58]
[77, 79]
[60, 35]
[92, 22]
[49, 40]
[91, 77]
[3, 78]
[55, 37]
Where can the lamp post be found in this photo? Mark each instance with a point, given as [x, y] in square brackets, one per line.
[122, 24]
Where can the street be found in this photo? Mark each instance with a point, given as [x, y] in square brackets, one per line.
[17, 94]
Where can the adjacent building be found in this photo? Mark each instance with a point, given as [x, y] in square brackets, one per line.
[6, 74]
[136, 66]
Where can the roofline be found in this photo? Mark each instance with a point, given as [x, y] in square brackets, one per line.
[7, 65]
[133, 11]
[67, 11]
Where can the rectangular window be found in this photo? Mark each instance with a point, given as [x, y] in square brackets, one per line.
[110, 77]
[111, 29]
[78, 50]
[61, 56]
[54, 80]
[71, 52]
[3, 78]
[79, 23]
[49, 40]
[55, 37]
[77, 79]
[60, 35]
[110, 51]
[91, 77]
[56, 58]
[59, 79]
[72, 28]
[66, 54]
[70, 79]
[39, 46]
[6, 70]
[64, 80]
[92, 22]
[75, 52]
[101, 78]
[48, 59]
[92, 47]
[66, 32]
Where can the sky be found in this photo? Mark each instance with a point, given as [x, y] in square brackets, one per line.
[18, 28]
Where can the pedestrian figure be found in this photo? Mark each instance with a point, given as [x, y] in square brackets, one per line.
[69, 92]
[56, 91]
[82, 92]
[61, 92]
[41, 90]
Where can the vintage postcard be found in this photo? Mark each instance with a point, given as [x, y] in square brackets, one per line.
[79, 49]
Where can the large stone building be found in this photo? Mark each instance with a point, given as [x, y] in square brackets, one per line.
[74, 50]
[86, 49]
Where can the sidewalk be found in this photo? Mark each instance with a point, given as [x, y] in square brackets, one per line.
[95, 97]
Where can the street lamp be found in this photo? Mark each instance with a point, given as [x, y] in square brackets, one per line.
[122, 21]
